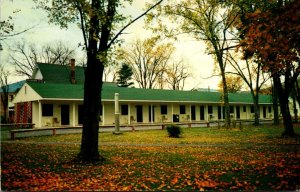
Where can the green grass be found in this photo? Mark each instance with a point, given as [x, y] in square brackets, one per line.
[251, 135]
[203, 159]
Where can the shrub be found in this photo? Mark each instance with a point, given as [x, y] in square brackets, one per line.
[174, 131]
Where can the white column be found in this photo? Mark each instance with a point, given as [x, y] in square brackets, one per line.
[247, 112]
[151, 115]
[206, 113]
[103, 114]
[117, 114]
[40, 114]
[129, 114]
[172, 113]
[190, 113]
[74, 114]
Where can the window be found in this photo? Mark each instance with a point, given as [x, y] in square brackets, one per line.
[252, 109]
[270, 109]
[231, 109]
[210, 109]
[163, 109]
[124, 109]
[244, 108]
[47, 110]
[182, 109]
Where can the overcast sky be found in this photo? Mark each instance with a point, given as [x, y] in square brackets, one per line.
[192, 52]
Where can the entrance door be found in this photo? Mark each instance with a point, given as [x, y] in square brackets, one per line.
[139, 113]
[264, 112]
[65, 114]
[201, 112]
[238, 112]
[80, 114]
[193, 113]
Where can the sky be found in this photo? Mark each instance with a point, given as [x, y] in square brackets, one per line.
[191, 51]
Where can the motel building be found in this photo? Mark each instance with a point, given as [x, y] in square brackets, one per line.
[53, 97]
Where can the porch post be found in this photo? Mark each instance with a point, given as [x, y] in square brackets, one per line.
[190, 120]
[172, 113]
[74, 114]
[129, 114]
[206, 115]
[117, 114]
[40, 114]
[103, 114]
[247, 112]
[151, 113]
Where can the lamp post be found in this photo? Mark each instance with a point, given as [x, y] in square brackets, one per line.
[117, 115]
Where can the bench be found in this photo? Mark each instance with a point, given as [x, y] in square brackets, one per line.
[14, 132]
[18, 125]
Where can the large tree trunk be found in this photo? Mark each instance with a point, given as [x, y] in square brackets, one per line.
[4, 98]
[225, 96]
[92, 91]
[284, 107]
[295, 109]
[255, 97]
[92, 102]
[275, 105]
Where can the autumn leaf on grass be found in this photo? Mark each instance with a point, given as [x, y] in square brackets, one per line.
[161, 186]
[174, 181]
[206, 184]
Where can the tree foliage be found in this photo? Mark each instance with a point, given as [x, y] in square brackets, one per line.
[7, 27]
[250, 72]
[125, 76]
[148, 59]
[272, 37]
[177, 73]
[205, 20]
[234, 83]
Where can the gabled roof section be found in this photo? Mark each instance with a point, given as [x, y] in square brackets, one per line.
[75, 91]
[54, 73]
[14, 87]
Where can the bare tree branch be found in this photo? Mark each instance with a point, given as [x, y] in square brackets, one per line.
[131, 22]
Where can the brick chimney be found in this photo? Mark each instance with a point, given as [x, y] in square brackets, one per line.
[72, 68]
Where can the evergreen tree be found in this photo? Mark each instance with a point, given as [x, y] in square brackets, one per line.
[125, 74]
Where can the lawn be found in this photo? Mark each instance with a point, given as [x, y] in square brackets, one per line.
[202, 159]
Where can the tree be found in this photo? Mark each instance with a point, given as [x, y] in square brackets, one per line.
[148, 60]
[177, 73]
[251, 73]
[99, 20]
[205, 20]
[7, 28]
[273, 38]
[25, 56]
[234, 84]
[4, 74]
[296, 97]
[125, 75]
[243, 8]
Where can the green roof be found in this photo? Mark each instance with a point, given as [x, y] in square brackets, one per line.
[75, 91]
[57, 85]
[54, 73]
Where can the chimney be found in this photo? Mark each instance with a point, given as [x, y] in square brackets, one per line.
[72, 67]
